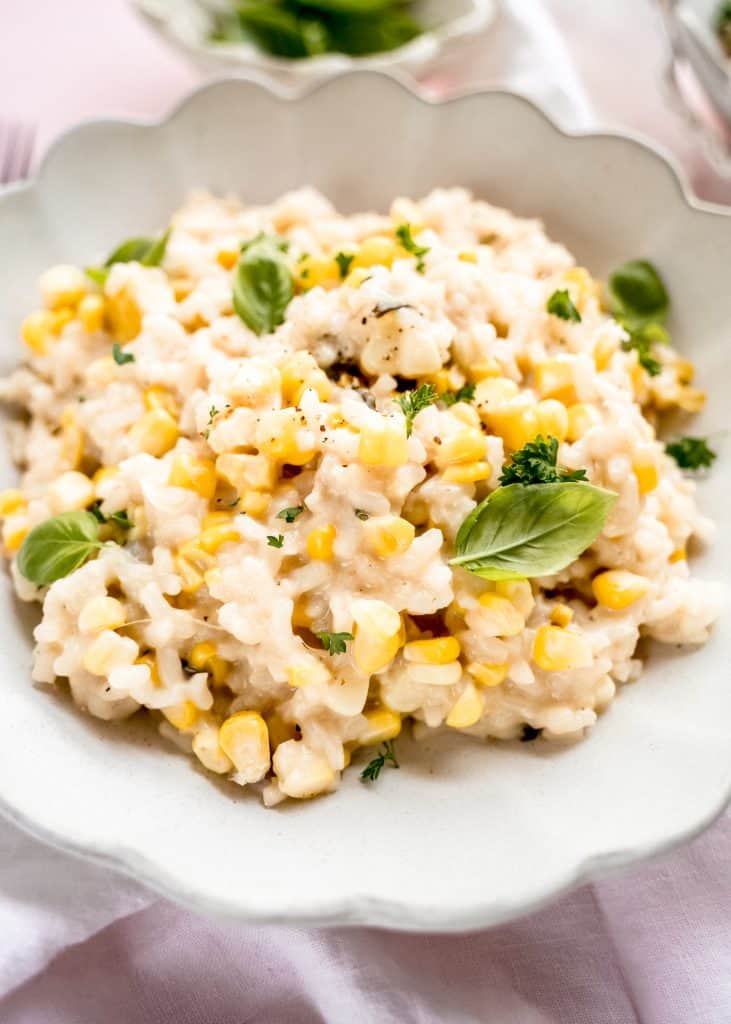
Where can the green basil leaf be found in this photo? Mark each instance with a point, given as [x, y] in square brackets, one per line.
[274, 29]
[348, 6]
[263, 286]
[638, 295]
[58, 546]
[150, 252]
[359, 35]
[531, 530]
[121, 357]
[560, 304]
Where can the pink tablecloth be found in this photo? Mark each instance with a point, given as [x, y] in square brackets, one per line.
[80, 946]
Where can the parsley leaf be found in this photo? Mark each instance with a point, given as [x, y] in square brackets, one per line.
[691, 452]
[465, 394]
[334, 643]
[275, 542]
[641, 341]
[535, 463]
[290, 514]
[412, 402]
[373, 769]
[343, 260]
[120, 357]
[403, 233]
[121, 517]
[560, 304]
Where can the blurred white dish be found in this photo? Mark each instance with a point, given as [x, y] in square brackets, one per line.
[464, 835]
[188, 23]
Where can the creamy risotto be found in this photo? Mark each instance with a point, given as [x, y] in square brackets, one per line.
[292, 479]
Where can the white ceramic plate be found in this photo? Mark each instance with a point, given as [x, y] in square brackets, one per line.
[187, 25]
[465, 834]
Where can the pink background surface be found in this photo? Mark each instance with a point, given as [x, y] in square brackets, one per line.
[650, 946]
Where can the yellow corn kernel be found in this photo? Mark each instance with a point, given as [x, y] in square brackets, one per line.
[586, 286]
[194, 553]
[644, 468]
[494, 391]
[36, 330]
[216, 518]
[159, 397]
[454, 618]
[123, 313]
[70, 490]
[150, 660]
[204, 658]
[558, 650]
[247, 472]
[489, 367]
[467, 414]
[11, 501]
[501, 616]
[519, 592]
[466, 710]
[388, 535]
[182, 716]
[581, 418]
[356, 277]
[554, 378]
[301, 773]
[255, 503]
[381, 724]
[603, 352]
[384, 444]
[156, 433]
[182, 287]
[300, 615]
[617, 589]
[690, 399]
[439, 650]
[300, 372]
[191, 579]
[553, 419]
[227, 258]
[679, 555]
[59, 318]
[280, 730]
[215, 537]
[467, 256]
[15, 530]
[465, 445]
[103, 653]
[561, 615]
[486, 674]
[320, 542]
[376, 251]
[278, 436]
[101, 613]
[103, 474]
[194, 474]
[63, 285]
[378, 635]
[469, 473]
[72, 439]
[316, 270]
[307, 672]
[245, 739]
[91, 313]
[209, 752]
[685, 370]
[516, 422]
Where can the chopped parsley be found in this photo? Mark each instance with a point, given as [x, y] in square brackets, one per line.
[412, 403]
[465, 394]
[120, 357]
[334, 643]
[290, 514]
[343, 260]
[275, 542]
[691, 452]
[120, 518]
[403, 233]
[373, 769]
[560, 305]
[641, 342]
[535, 463]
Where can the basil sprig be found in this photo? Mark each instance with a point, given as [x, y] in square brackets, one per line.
[263, 285]
[58, 546]
[150, 252]
[639, 300]
[531, 530]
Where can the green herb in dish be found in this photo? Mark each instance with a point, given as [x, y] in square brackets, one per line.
[465, 394]
[403, 233]
[560, 304]
[121, 357]
[121, 518]
[263, 284]
[343, 260]
[639, 301]
[373, 769]
[334, 643]
[691, 452]
[290, 514]
[722, 25]
[58, 546]
[412, 402]
[150, 252]
[275, 542]
[536, 463]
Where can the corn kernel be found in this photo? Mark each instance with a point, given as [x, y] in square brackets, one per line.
[356, 277]
[70, 490]
[466, 710]
[320, 542]
[376, 251]
[150, 661]
[679, 555]
[468, 473]
[488, 367]
[107, 651]
[582, 417]
[311, 271]
[553, 419]
[617, 589]
[183, 716]
[300, 372]
[215, 537]
[72, 439]
[36, 330]
[158, 397]
[280, 730]
[500, 616]
[486, 674]
[381, 724]
[301, 773]
[124, 315]
[227, 258]
[378, 635]
[467, 414]
[645, 470]
[558, 650]
[191, 579]
[204, 658]
[11, 501]
[101, 613]
[467, 256]
[307, 672]
[561, 615]
[91, 313]
[383, 445]
[255, 503]
[15, 530]
[388, 535]
[439, 650]
[156, 433]
[300, 615]
[103, 474]
[194, 474]
[519, 592]
[247, 472]
[196, 555]
[59, 318]
[494, 391]
[465, 445]
[554, 378]
[278, 435]
[603, 351]
[516, 422]
[244, 738]
[63, 285]
[209, 752]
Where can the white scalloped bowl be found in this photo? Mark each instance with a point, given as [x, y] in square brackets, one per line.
[187, 24]
[466, 834]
